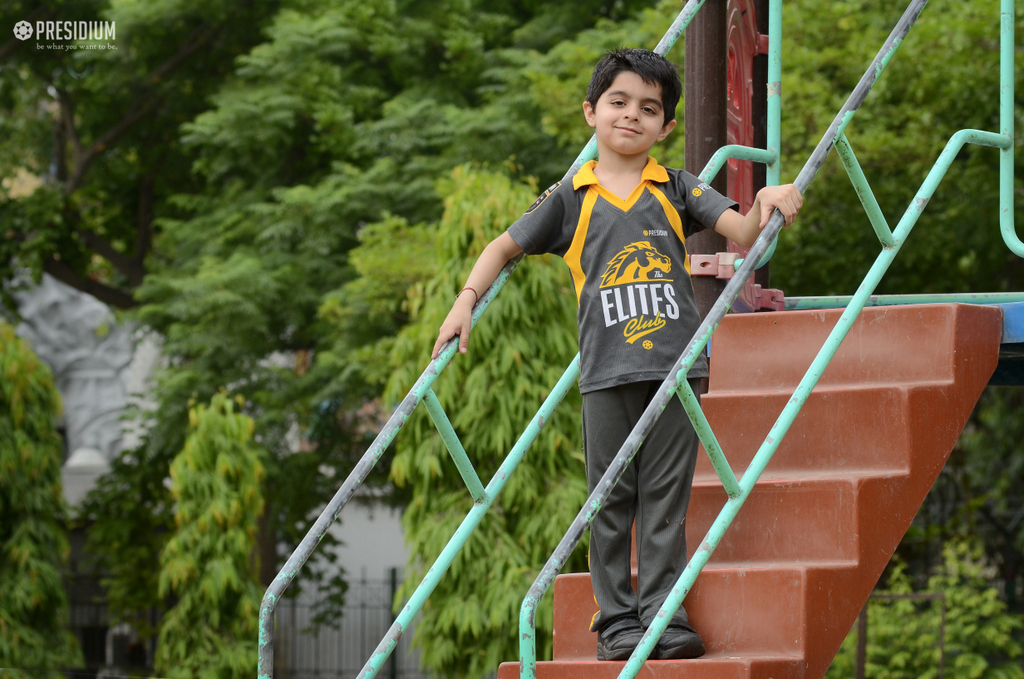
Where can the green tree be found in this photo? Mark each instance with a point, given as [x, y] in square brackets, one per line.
[33, 545]
[130, 515]
[903, 636]
[207, 564]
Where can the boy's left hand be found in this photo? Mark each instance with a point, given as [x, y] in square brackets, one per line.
[786, 198]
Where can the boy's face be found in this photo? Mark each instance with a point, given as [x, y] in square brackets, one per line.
[629, 117]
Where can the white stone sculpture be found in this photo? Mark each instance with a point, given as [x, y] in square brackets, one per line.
[89, 354]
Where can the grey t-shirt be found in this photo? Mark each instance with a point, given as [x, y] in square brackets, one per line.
[629, 267]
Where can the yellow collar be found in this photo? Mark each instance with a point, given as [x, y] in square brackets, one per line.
[585, 175]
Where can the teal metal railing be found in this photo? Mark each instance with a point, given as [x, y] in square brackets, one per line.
[676, 384]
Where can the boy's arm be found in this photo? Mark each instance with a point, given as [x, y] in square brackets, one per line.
[488, 265]
[745, 230]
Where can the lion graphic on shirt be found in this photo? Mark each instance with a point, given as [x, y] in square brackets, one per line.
[635, 263]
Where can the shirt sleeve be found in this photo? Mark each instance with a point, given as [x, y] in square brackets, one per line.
[700, 204]
[545, 226]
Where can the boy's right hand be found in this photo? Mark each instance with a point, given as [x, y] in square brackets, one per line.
[459, 322]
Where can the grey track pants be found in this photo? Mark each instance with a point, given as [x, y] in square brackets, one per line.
[654, 488]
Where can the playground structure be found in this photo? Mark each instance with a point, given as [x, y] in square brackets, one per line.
[790, 577]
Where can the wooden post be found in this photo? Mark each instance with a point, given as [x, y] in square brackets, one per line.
[759, 115]
[705, 128]
[705, 119]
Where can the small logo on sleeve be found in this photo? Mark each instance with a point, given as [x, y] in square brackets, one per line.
[699, 190]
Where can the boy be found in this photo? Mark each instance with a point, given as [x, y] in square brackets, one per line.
[620, 225]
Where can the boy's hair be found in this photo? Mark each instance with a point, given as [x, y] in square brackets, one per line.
[653, 68]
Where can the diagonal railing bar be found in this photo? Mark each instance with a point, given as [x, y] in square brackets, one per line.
[362, 469]
[527, 632]
[864, 192]
[708, 438]
[330, 513]
[469, 524]
[454, 446]
[527, 613]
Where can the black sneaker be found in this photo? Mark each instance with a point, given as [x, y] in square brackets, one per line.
[620, 643]
[678, 643]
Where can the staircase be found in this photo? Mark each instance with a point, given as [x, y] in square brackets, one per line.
[786, 583]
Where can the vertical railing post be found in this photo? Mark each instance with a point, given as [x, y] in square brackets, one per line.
[773, 172]
[704, 106]
[1006, 127]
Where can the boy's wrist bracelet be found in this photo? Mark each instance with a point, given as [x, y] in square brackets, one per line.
[475, 294]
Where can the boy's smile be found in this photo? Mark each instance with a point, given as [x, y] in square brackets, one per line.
[629, 117]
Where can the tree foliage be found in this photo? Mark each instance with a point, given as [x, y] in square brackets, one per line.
[207, 563]
[904, 635]
[130, 515]
[33, 545]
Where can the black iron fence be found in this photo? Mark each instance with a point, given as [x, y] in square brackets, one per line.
[304, 649]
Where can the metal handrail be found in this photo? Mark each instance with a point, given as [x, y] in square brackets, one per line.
[421, 391]
[676, 383]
